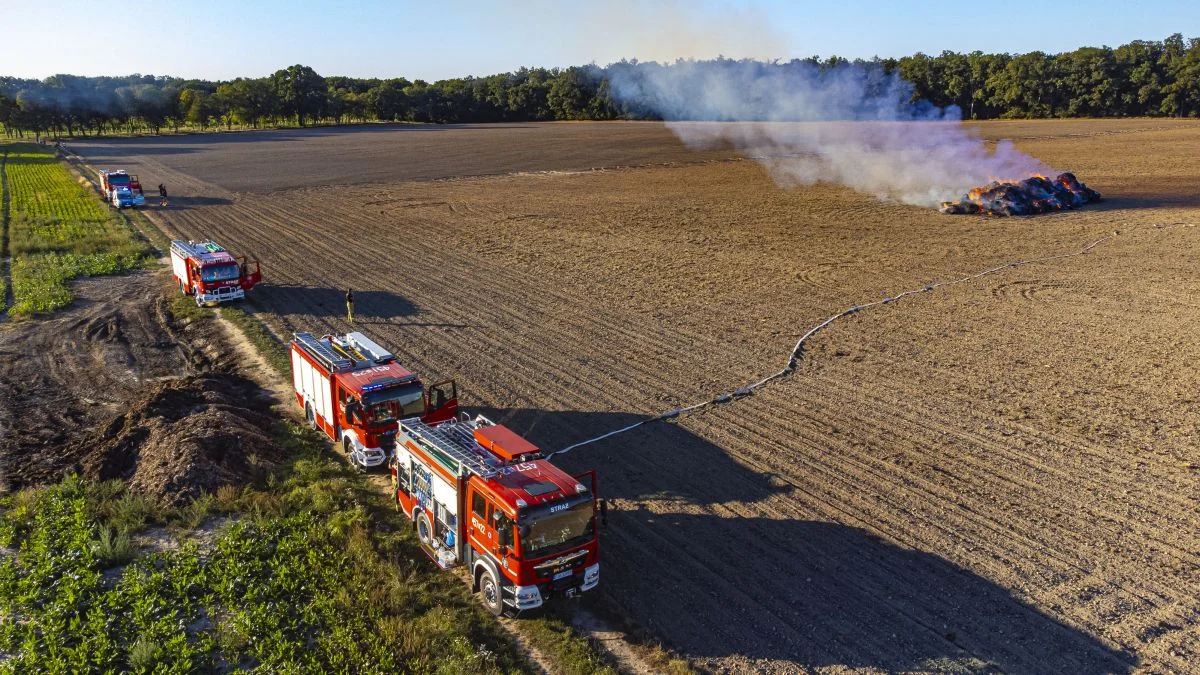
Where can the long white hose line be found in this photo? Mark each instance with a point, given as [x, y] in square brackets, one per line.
[794, 356]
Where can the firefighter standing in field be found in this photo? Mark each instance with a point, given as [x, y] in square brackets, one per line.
[350, 305]
[162, 195]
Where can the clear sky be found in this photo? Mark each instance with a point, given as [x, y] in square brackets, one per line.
[432, 39]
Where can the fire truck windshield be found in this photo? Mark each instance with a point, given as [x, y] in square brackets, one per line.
[396, 403]
[219, 272]
[550, 530]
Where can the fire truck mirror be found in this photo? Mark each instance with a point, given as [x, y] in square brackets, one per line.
[503, 550]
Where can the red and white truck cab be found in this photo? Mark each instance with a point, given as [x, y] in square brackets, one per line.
[355, 391]
[480, 495]
[206, 271]
[121, 189]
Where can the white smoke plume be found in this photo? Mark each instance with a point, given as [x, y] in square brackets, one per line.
[851, 124]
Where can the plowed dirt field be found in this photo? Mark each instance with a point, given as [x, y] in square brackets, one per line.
[998, 475]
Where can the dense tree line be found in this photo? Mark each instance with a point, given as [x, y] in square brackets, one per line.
[1142, 78]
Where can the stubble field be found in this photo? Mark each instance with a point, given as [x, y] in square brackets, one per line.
[1001, 474]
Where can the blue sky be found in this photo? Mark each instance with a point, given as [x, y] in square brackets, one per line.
[222, 39]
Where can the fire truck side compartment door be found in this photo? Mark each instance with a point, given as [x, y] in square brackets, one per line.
[179, 267]
[298, 372]
[323, 392]
[403, 471]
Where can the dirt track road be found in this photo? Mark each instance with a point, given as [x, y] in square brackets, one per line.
[999, 475]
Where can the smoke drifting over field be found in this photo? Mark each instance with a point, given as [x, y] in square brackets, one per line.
[852, 124]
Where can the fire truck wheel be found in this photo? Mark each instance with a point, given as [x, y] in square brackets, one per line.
[491, 593]
[424, 530]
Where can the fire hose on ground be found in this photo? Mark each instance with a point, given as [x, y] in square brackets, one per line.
[796, 353]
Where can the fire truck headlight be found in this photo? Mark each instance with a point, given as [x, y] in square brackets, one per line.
[591, 577]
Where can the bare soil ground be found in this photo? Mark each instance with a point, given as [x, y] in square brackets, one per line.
[118, 387]
[1001, 475]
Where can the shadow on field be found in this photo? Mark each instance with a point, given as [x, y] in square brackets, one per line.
[178, 203]
[690, 556]
[1184, 199]
[369, 306]
[821, 594]
[656, 461]
[184, 143]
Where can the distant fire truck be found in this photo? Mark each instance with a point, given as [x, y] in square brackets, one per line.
[480, 495]
[208, 272]
[121, 189]
[354, 390]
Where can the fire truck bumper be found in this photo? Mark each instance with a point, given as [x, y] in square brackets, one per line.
[370, 459]
[222, 295]
[526, 597]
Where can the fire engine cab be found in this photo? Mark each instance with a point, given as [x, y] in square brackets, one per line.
[481, 496]
[354, 390]
[206, 271]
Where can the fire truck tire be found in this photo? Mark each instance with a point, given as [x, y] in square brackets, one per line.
[424, 529]
[491, 593]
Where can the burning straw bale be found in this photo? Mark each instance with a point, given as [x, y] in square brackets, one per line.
[187, 437]
[1036, 194]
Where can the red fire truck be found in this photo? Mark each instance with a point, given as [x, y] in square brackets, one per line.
[208, 272]
[119, 181]
[481, 496]
[355, 391]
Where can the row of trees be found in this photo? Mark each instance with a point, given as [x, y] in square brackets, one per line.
[1142, 78]
[1138, 79]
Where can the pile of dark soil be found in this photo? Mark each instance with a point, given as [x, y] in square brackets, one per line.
[177, 417]
[187, 437]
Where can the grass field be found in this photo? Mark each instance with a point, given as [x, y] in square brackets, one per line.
[294, 578]
[997, 475]
[58, 231]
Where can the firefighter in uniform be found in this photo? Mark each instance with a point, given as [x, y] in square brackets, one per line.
[350, 305]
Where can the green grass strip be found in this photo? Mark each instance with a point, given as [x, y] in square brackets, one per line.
[58, 231]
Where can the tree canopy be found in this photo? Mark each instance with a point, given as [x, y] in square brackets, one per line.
[1141, 78]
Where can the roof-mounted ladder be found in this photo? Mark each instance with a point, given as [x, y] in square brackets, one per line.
[321, 352]
[453, 444]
